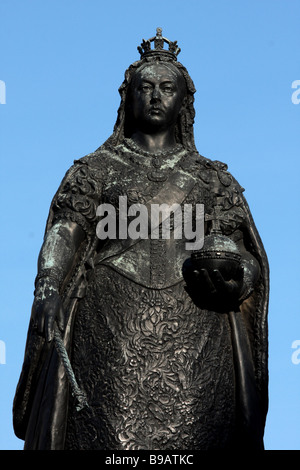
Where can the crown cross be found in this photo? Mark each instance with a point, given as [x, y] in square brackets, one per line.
[218, 215]
[159, 41]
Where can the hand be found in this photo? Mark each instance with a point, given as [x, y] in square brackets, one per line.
[46, 309]
[210, 289]
[215, 286]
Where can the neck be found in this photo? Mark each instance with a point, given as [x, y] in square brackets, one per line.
[154, 142]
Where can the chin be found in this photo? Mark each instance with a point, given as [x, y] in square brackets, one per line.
[155, 121]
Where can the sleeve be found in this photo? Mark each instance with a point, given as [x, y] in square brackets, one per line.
[78, 196]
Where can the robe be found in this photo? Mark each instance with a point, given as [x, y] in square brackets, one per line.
[160, 371]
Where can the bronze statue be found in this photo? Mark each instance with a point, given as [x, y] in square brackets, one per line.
[140, 343]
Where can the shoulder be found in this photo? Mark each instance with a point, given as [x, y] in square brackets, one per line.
[100, 159]
[217, 170]
[92, 160]
[91, 166]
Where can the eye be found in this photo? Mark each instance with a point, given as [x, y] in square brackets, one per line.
[146, 87]
[168, 88]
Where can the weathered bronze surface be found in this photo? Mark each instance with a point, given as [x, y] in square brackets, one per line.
[167, 348]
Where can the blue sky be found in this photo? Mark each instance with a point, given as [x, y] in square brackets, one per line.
[62, 62]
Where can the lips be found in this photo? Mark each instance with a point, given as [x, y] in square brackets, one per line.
[155, 110]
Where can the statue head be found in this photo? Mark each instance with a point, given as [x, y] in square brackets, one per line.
[155, 99]
[162, 61]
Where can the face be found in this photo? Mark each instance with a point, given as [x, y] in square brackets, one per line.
[157, 93]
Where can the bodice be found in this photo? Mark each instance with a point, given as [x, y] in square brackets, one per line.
[128, 179]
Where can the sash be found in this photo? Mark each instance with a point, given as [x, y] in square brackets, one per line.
[175, 191]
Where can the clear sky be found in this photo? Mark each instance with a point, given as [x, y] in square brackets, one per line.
[62, 62]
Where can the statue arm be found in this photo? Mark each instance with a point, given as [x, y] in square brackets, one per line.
[241, 285]
[56, 259]
[211, 285]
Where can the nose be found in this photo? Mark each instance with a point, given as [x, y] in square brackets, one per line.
[156, 94]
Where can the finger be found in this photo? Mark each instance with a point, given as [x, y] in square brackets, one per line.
[40, 322]
[225, 287]
[49, 327]
[35, 316]
[207, 282]
[232, 287]
[222, 285]
[60, 319]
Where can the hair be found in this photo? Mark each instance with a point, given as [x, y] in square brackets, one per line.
[184, 129]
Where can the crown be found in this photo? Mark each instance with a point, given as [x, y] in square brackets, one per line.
[145, 47]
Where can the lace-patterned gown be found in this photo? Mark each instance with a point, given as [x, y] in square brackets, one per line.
[157, 370]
